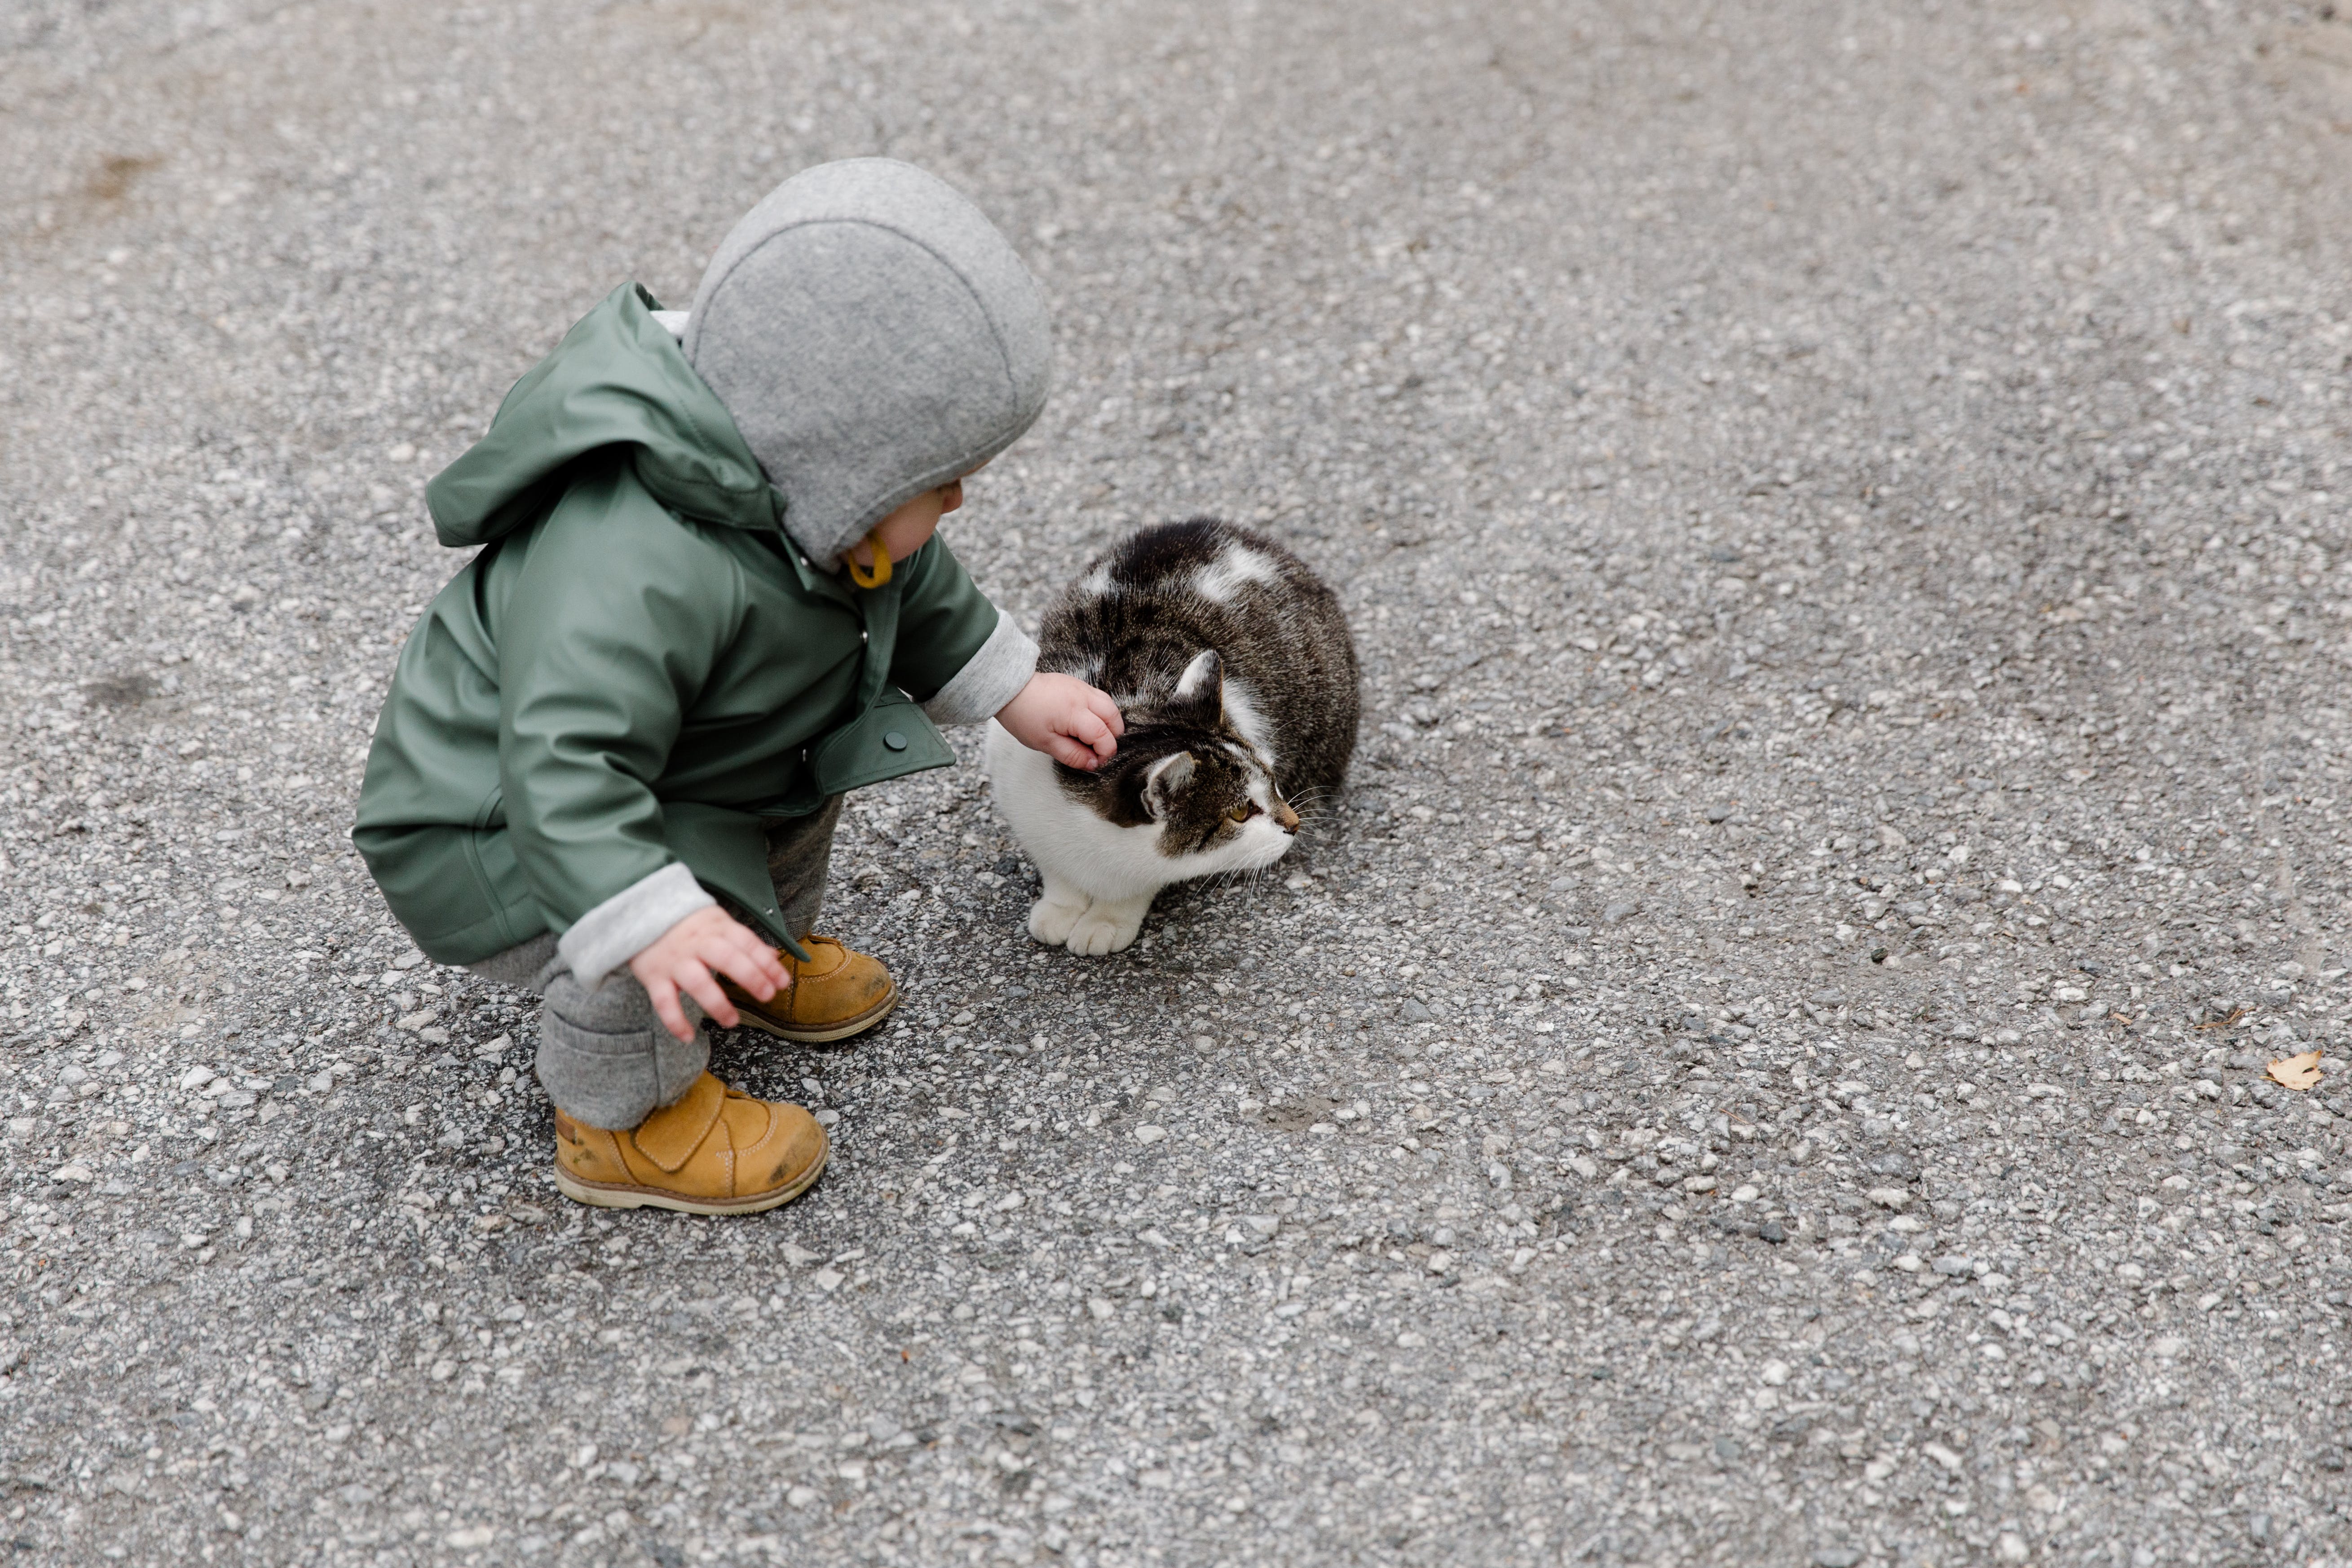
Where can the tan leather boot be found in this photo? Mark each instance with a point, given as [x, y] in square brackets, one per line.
[843, 992]
[717, 1151]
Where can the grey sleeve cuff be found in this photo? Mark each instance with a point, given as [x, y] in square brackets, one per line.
[628, 922]
[989, 679]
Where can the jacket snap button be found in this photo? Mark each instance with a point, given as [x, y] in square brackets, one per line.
[895, 740]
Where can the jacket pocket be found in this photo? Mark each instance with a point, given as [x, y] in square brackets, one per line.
[888, 740]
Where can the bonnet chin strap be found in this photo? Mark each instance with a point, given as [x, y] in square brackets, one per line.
[880, 573]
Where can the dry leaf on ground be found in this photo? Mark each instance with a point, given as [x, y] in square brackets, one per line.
[2297, 1072]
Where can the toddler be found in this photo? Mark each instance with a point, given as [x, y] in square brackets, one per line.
[707, 603]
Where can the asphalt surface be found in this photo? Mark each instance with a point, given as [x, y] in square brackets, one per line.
[1843, 510]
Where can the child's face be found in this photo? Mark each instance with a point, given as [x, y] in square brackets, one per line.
[910, 527]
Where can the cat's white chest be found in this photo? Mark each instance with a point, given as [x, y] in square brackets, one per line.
[1068, 842]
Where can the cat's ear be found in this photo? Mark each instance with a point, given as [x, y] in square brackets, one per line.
[1163, 778]
[1200, 689]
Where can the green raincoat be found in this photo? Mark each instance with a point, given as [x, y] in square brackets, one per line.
[639, 667]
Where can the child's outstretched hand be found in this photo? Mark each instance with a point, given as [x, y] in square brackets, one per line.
[689, 955]
[1064, 718]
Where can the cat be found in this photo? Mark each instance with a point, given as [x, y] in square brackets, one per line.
[1232, 663]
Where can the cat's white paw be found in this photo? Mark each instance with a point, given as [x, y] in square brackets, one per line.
[1050, 920]
[1106, 927]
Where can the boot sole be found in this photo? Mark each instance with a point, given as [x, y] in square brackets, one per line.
[611, 1196]
[818, 1036]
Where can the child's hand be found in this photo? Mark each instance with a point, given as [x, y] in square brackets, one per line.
[1064, 718]
[684, 958]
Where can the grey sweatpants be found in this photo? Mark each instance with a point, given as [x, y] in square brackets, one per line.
[603, 1057]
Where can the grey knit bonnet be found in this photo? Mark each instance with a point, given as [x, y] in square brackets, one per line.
[873, 337]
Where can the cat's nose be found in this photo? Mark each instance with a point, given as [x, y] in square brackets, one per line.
[1284, 818]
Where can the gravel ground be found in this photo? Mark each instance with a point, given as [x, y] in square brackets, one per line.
[1842, 511]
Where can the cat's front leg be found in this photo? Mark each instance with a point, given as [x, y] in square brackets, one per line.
[1108, 926]
[1058, 909]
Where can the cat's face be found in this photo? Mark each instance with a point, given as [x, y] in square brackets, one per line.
[1207, 803]
[1189, 777]
[1214, 800]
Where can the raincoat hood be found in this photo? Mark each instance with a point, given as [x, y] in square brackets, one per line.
[873, 336]
[618, 379]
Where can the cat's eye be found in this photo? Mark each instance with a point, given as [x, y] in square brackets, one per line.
[1242, 812]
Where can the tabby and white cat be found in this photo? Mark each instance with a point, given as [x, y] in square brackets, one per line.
[1232, 666]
